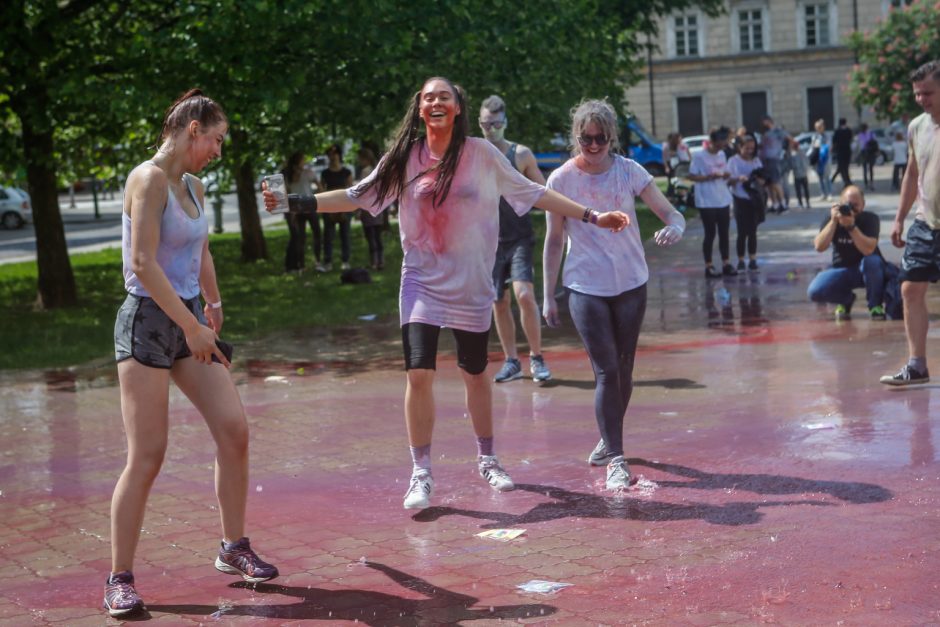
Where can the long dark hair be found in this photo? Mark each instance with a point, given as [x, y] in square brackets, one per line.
[292, 170]
[390, 179]
[193, 105]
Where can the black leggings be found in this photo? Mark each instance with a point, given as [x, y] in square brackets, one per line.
[802, 190]
[745, 217]
[610, 328]
[373, 234]
[297, 227]
[716, 219]
[419, 341]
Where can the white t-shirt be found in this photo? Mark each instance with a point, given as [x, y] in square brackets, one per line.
[600, 262]
[710, 194]
[450, 250]
[739, 166]
[900, 151]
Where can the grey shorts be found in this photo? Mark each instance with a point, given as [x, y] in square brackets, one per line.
[921, 260]
[772, 170]
[144, 332]
[513, 263]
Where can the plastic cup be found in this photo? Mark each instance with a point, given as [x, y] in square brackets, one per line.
[278, 187]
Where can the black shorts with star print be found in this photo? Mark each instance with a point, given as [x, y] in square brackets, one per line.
[144, 332]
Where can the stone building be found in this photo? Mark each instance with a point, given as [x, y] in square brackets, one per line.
[785, 58]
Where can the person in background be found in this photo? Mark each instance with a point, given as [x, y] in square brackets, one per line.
[856, 260]
[772, 148]
[899, 146]
[372, 226]
[709, 172]
[820, 153]
[675, 153]
[867, 154]
[299, 181]
[841, 152]
[747, 215]
[335, 176]
[800, 164]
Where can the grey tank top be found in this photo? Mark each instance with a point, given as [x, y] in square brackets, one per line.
[179, 253]
[513, 227]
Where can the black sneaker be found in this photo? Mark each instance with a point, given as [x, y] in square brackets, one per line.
[240, 560]
[728, 270]
[752, 264]
[711, 273]
[906, 376]
[741, 265]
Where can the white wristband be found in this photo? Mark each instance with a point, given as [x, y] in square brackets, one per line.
[217, 305]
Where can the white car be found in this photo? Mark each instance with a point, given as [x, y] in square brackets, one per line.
[695, 143]
[15, 207]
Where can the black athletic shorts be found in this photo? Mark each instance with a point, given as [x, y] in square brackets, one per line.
[419, 341]
[513, 263]
[144, 332]
[921, 260]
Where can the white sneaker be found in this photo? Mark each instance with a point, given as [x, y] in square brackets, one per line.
[494, 473]
[344, 266]
[419, 491]
[600, 456]
[618, 474]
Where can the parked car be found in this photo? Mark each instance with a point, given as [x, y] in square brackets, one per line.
[885, 147]
[16, 209]
[695, 143]
[805, 140]
[635, 142]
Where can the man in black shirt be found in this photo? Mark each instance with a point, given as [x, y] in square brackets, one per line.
[856, 260]
[842, 147]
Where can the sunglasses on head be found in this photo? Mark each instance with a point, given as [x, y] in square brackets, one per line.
[599, 139]
[498, 124]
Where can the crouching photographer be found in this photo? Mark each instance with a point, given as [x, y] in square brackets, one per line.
[856, 260]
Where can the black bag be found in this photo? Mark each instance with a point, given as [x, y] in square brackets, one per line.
[894, 305]
[355, 276]
[814, 155]
[871, 148]
[757, 193]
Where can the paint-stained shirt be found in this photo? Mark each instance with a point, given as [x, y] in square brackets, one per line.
[449, 250]
[924, 139]
[714, 193]
[600, 262]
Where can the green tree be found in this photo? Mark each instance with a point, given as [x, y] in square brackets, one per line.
[906, 39]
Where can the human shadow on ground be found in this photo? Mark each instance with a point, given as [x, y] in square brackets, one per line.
[368, 607]
[569, 504]
[849, 491]
[669, 384]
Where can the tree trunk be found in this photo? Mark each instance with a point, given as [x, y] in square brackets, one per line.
[56, 280]
[254, 246]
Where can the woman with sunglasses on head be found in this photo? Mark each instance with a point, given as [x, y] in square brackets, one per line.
[448, 186]
[605, 273]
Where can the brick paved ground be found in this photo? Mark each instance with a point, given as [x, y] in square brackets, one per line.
[779, 481]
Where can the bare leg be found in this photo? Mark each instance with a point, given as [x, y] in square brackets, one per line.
[505, 325]
[419, 406]
[529, 315]
[144, 406]
[479, 390]
[915, 317]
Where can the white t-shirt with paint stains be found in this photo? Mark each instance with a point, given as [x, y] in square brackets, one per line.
[450, 250]
[600, 262]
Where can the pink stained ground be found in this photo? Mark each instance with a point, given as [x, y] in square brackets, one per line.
[779, 481]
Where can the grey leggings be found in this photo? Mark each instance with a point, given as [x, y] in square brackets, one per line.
[610, 328]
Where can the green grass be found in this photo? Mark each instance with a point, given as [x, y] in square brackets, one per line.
[259, 298]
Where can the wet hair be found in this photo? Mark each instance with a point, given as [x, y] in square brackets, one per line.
[292, 170]
[390, 179]
[494, 104]
[931, 69]
[719, 133]
[601, 113]
[193, 105]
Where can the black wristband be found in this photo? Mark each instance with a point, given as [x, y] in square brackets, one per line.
[301, 204]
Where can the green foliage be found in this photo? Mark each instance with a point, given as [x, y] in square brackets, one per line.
[906, 39]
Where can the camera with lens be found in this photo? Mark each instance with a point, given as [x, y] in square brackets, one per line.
[846, 209]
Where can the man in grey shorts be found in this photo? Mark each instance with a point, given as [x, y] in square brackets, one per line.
[920, 189]
[514, 256]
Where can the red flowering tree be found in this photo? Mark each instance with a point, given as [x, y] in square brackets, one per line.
[906, 39]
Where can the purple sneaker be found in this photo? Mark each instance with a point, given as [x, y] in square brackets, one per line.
[239, 559]
[120, 597]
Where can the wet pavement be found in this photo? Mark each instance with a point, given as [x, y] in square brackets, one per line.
[779, 482]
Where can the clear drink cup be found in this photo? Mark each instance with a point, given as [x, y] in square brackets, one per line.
[278, 187]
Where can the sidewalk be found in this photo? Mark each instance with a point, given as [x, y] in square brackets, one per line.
[779, 482]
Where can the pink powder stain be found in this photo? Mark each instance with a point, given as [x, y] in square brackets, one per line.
[432, 221]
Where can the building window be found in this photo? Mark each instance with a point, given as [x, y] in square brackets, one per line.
[816, 22]
[750, 30]
[686, 34]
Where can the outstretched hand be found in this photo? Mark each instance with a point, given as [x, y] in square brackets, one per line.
[616, 221]
[270, 200]
[668, 235]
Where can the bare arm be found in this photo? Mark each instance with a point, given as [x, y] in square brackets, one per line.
[674, 221]
[554, 202]
[528, 165]
[551, 265]
[333, 201]
[147, 188]
[908, 195]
